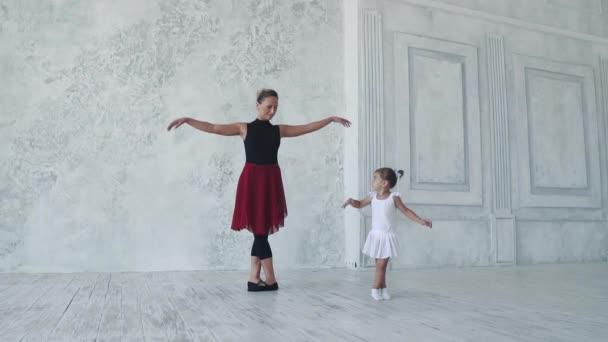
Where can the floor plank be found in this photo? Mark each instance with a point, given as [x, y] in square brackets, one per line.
[72, 315]
[38, 318]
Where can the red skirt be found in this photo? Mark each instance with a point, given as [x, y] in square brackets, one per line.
[260, 205]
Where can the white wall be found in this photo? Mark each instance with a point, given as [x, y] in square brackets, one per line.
[497, 112]
[89, 178]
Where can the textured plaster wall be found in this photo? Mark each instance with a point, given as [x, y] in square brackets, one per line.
[89, 178]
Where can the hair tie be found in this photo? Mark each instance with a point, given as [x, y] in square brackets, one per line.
[398, 173]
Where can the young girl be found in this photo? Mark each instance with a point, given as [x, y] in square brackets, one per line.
[260, 205]
[382, 243]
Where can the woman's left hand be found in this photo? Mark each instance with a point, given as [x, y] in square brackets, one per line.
[341, 121]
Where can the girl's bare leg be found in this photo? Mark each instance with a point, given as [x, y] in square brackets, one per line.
[380, 278]
[384, 272]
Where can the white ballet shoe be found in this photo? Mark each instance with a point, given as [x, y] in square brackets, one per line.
[385, 294]
[376, 294]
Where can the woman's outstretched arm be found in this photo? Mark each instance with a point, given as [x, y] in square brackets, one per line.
[239, 128]
[288, 131]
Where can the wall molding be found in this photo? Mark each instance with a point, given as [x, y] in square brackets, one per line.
[416, 180]
[530, 194]
[499, 122]
[468, 192]
[372, 100]
[502, 223]
[604, 86]
[603, 63]
[532, 74]
[508, 20]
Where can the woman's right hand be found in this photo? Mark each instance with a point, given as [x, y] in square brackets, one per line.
[347, 203]
[177, 122]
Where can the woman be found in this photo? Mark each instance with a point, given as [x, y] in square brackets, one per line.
[260, 205]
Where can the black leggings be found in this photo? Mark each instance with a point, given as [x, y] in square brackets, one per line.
[261, 247]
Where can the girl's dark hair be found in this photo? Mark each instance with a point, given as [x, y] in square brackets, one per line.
[264, 93]
[389, 175]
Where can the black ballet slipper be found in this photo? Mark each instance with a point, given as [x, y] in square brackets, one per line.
[272, 287]
[261, 286]
[256, 287]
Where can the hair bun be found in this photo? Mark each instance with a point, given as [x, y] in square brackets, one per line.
[264, 93]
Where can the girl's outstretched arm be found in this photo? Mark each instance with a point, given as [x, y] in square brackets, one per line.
[239, 128]
[411, 214]
[288, 131]
[357, 203]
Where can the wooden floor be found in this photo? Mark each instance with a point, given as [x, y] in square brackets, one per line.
[523, 303]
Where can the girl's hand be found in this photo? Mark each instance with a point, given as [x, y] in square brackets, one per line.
[341, 121]
[427, 223]
[347, 203]
[177, 122]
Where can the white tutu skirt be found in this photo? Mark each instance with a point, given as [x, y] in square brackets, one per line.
[381, 244]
